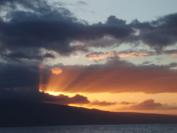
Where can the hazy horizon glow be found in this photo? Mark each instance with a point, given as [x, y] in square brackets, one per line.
[116, 102]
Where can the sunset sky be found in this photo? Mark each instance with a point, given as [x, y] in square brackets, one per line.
[113, 55]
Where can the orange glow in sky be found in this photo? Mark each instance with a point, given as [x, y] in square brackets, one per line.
[52, 82]
[60, 79]
[56, 70]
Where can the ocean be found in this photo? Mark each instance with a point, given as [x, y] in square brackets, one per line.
[132, 128]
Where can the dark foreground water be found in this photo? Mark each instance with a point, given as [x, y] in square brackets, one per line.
[156, 128]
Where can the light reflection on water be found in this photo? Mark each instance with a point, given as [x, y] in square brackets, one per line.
[156, 128]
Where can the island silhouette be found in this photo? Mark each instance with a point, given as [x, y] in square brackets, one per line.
[46, 114]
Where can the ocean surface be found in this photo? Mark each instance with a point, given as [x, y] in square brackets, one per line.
[144, 128]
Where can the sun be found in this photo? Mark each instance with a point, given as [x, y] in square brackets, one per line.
[56, 70]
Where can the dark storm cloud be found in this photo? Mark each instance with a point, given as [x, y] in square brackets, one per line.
[18, 76]
[77, 99]
[43, 25]
[19, 83]
[159, 33]
[29, 95]
[51, 28]
[63, 99]
[23, 55]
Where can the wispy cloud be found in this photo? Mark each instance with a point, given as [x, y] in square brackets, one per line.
[150, 104]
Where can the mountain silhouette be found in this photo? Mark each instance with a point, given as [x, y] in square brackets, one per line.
[45, 114]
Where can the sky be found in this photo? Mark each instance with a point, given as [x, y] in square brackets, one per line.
[110, 55]
[94, 11]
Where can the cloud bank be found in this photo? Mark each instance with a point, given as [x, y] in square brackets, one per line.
[32, 25]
